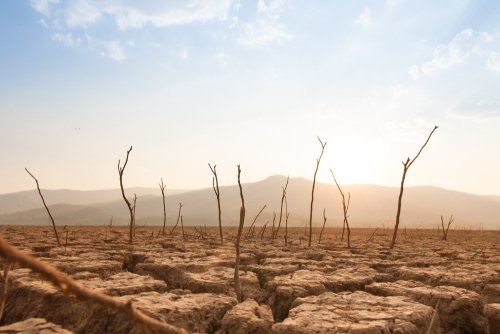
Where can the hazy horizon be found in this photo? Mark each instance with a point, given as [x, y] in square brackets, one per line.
[252, 83]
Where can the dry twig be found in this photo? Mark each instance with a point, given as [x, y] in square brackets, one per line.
[73, 288]
[406, 165]
[312, 191]
[45, 205]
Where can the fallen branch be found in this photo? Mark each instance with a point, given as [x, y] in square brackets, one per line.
[5, 287]
[71, 287]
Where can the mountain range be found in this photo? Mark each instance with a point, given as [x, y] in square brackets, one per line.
[371, 205]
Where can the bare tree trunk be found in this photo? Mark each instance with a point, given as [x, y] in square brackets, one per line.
[283, 196]
[182, 227]
[237, 286]
[133, 208]
[274, 226]
[178, 218]
[254, 220]
[345, 209]
[287, 215]
[323, 228]
[215, 186]
[129, 206]
[162, 188]
[312, 192]
[45, 205]
[406, 165]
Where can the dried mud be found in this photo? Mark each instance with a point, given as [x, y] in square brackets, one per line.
[328, 288]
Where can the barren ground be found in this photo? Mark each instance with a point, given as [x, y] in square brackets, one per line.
[327, 288]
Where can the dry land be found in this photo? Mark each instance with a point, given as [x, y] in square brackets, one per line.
[327, 288]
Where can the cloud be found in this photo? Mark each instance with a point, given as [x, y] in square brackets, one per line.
[262, 32]
[447, 55]
[365, 18]
[480, 110]
[493, 62]
[113, 49]
[82, 13]
[66, 39]
[43, 6]
[266, 28]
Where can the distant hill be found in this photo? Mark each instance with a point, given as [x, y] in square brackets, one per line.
[371, 205]
[26, 200]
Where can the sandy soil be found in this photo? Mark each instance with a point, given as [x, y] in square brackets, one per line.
[327, 288]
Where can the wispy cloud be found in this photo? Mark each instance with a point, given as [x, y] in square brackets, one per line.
[66, 39]
[82, 13]
[263, 32]
[493, 62]
[365, 18]
[113, 49]
[447, 55]
[43, 6]
[266, 28]
[477, 111]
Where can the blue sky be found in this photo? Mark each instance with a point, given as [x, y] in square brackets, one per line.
[249, 82]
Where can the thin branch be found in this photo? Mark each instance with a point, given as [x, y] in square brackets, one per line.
[323, 228]
[406, 166]
[345, 208]
[237, 286]
[215, 186]
[121, 170]
[71, 287]
[162, 188]
[254, 220]
[283, 196]
[178, 218]
[318, 160]
[45, 205]
[5, 287]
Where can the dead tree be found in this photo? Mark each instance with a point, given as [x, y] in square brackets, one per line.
[263, 230]
[45, 205]
[71, 287]
[445, 232]
[162, 188]
[237, 286]
[254, 220]
[133, 209]
[178, 218]
[215, 186]
[129, 206]
[406, 165]
[182, 228]
[274, 225]
[287, 215]
[312, 191]
[345, 209]
[283, 196]
[323, 228]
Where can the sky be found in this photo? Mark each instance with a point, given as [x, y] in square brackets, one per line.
[253, 83]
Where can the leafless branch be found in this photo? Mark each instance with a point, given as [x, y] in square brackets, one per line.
[318, 160]
[45, 205]
[406, 166]
[121, 170]
[215, 186]
[71, 287]
[237, 286]
[162, 188]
